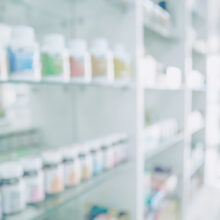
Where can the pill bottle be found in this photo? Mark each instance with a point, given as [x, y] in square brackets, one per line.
[12, 188]
[71, 164]
[97, 157]
[53, 172]
[116, 149]
[54, 58]
[5, 33]
[80, 62]
[34, 179]
[122, 66]
[23, 54]
[123, 147]
[85, 162]
[102, 61]
[108, 153]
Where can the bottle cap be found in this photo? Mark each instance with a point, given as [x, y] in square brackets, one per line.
[51, 157]
[31, 164]
[10, 170]
[77, 46]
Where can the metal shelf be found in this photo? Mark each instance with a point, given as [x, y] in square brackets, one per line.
[197, 168]
[166, 145]
[116, 84]
[51, 204]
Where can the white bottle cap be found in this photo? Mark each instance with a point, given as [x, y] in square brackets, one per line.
[5, 33]
[121, 53]
[99, 46]
[31, 164]
[69, 153]
[51, 157]
[77, 46]
[54, 42]
[94, 144]
[10, 170]
[83, 149]
[22, 35]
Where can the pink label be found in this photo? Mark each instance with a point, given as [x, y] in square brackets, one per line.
[76, 68]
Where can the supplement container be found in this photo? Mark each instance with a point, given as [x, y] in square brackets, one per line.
[34, 180]
[5, 33]
[54, 58]
[80, 62]
[123, 147]
[53, 172]
[23, 54]
[122, 65]
[12, 188]
[108, 153]
[85, 162]
[116, 149]
[71, 163]
[102, 61]
[97, 157]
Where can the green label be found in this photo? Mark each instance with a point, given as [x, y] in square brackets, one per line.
[51, 65]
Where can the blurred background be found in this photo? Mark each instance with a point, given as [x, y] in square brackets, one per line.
[109, 110]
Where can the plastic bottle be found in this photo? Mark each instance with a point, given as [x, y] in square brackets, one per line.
[23, 54]
[80, 62]
[54, 58]
[122, 66]
[71, 163]
[108, 153]
[97, 157]
[5, 33]
[102, 61]
[12, 188]
[86, 162]
[34, 180]
[53, 172]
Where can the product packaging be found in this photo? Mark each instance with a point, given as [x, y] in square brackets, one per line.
[80, 61]
[71, 163]
[12, 188]
[102, 61]
[23, 54]
[34, 179]
[53, 172]
[54, 58]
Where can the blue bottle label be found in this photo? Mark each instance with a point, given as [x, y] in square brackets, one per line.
[20, 60]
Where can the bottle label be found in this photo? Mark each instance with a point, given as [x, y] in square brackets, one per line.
[20, 60]
[52, 65]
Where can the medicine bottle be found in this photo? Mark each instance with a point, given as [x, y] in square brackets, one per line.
[23, 54]
[34, 180]
[53, 172]
[12, 188]
[71, 163]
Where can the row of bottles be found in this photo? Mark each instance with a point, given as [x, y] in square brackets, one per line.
[21, 58]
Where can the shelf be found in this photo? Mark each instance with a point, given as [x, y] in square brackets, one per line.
[200, 128]
[9, 130]
[117, 84]
[152, 9]
[199, 50]
[164, 87]
[163, 32]
[202, 89]
[197, 168]
[164, 146]
[53, 203]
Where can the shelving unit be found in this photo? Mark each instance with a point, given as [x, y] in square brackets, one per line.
[69, 112]
[53, 203]
[164, 146]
